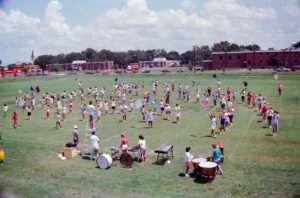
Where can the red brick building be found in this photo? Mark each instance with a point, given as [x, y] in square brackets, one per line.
[159, 62]
[83, 66]
[253, 59]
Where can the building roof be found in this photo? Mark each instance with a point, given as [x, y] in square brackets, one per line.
[259, 51]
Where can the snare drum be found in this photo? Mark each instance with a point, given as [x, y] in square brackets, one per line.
[104, 161]
[207, 157]
[197, 161]
[208, 169]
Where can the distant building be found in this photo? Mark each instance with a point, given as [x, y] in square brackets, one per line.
[159, 62]
[82, 65]
[252, 59]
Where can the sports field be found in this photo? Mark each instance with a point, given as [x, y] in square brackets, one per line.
[256, 163]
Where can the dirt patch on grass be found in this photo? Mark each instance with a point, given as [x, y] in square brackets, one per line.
[284, 143]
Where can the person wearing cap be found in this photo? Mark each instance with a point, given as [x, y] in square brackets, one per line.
[76, 136]
[95, 143]
[217, 157]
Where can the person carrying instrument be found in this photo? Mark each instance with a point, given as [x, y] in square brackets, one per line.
[217, 157]
[124, 143]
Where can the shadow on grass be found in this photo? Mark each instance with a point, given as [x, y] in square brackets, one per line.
[161, 162]
[141, 121]
[259, 121]
[265, 127]
[206, 136]
[269, 134]
[193, 135]
[174, 122]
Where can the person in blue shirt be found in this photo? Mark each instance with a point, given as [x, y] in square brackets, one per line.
[217, 157]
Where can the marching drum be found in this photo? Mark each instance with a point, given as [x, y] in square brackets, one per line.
[207, 157]
[126, 160]
[208, 169]
[197, 161]
[104, 161]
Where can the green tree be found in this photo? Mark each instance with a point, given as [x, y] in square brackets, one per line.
[74, 56]
[55, 68]
[43, 60]
[89, 54]
[173, 55]
[274, 60]
[223, 46]
[297, 45]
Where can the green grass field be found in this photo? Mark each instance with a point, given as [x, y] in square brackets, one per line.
[256, 164]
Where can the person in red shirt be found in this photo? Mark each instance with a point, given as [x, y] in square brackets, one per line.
[15, 119]
[264, 112]
[124, 143]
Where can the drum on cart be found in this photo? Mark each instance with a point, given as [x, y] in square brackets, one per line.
[104, 161]
[126, 160]
[197, 161]
[208, 169]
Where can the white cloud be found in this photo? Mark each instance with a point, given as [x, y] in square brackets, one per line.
[135, 26]
[292, 10]
[189, 4]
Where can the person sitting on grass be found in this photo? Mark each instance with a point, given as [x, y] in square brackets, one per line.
[216, 156]
[95, 143]
[142, 146]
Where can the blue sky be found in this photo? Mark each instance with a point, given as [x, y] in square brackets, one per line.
[63, 26]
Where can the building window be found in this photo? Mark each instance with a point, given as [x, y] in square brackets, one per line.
[220, 57]
[229, 57]
[249, 62]
[295, 60]
[260, 61]
[260, 53]
[267, 53]
[239, 57]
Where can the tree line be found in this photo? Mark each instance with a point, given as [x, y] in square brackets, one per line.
[122, 59]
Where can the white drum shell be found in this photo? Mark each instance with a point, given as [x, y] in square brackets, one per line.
[104, 161]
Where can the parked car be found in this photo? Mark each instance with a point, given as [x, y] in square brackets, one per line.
[119, 71]
[180, 71]
[283, 69]
[295, 68]
[90, 72]
[106, 72]
[146, 71]
[165, 71]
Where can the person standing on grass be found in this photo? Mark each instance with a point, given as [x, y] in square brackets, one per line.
[95, 143]
[173, 85]
[264, 112]
[5, 108]
[131, 102]
[124, 143]
[70, 106]
[249, 96]
[179, 91]
[216, 155]
[58, 121]
[259, 102]
[279, 89]
[91, 111]
[215, 98]
[83, 107]
[150, 116]
[28, 109]
[143, 111]
[168, 111]
[124, 112]
[15, 120]
[234, 96]
[162, 107]
[48, 112]
[275, 119]
[213, 124]
[243, 92]
[76, 136]
[254, 100]
[177, 112]
[113, 106]
[222, 122]
[142, 146]
[64, 112]
[188, 160]
[270, 116]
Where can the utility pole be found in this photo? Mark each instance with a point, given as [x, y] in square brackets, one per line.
[194, 57]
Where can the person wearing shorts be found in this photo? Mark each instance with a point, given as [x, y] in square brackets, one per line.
[177, 112]
[91, 110]
[216, 155]
[94, 143]
[15, 120]
[162, 107]
[270, 116]
[124, 143]
[76, 136]
[275, 122]
[150, 116]
[213, 124]
[222, 123]
[188, 160]
[143, 148]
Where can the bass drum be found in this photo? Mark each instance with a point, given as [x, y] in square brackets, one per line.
[126, 160]
[104, 161]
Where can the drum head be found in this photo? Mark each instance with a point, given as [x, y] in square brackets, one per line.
[126, 160]
[102, 162]
[199, 160]
[208, 165]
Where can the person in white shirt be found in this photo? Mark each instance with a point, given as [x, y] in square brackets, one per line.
[142, 146]
[188, 160]
[5, 108]
[177, 112]
[94, 143]
[91, 109]
[150, 115]
[76, 136]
